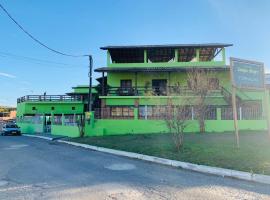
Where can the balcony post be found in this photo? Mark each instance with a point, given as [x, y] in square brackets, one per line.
[136, 77]
[145, 55]
[198, 55]
[169, 83]
[108, 58]
[176, 55]
[103, 84]
[223, 55]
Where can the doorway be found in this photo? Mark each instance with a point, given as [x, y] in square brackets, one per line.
[159, 87]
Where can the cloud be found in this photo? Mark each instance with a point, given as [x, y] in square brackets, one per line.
[7, 75]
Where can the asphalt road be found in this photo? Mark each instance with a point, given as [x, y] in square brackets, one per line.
[32, 168]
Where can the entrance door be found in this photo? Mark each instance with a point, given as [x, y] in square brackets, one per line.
[159, 87]
[47, 124]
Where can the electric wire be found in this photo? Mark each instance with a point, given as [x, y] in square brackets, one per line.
[33, 60]
[35, 39]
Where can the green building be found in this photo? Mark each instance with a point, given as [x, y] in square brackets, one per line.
[136, 86]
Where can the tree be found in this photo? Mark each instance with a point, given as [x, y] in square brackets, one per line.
[81, 125]
[177, 119]
[198, 82]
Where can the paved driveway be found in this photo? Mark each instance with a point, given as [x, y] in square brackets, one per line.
[32, 168]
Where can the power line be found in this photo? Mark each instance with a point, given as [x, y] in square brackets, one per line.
[35, 39]
[34, 60]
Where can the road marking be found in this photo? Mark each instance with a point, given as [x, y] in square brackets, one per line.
[16, 146]
[120, 166]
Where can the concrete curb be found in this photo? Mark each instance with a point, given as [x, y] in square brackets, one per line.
[38, 136]
[258, 178]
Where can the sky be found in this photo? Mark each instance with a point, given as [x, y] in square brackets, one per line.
[83, 26]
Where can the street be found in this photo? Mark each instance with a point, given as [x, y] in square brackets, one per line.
[32, 168]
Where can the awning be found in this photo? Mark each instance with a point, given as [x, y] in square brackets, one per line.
[160, 69]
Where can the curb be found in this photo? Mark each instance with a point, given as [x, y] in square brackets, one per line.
[258, 178]
[38, 136]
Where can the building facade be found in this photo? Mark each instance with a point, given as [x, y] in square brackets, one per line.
[139, 82]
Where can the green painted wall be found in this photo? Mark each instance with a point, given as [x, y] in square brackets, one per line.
[178, 77]
[70, 131]
[122, 127]
[30, 128]
[60, 107]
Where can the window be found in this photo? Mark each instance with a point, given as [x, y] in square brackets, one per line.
[126, 83]
[122, 112]
[73, 108]
[33, 108]
[52, 108]
[125, 88]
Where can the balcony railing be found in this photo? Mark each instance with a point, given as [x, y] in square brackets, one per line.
[36, 98]
[152, 91]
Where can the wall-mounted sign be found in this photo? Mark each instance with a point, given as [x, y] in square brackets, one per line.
[247, 74]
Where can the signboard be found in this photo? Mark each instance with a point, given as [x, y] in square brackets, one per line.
[247, 74]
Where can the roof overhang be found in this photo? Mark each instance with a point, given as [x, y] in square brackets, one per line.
[204, 45]
[160, 69]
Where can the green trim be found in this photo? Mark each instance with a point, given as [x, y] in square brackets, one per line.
[171, 64]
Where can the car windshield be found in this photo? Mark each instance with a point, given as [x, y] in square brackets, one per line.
[11, 126]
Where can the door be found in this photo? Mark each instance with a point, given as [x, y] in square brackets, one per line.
[159, 87]
[47, 124]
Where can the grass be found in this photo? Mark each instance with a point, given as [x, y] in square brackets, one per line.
[208, 149]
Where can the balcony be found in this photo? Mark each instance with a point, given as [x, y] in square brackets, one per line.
[154, 91]
[48, 98]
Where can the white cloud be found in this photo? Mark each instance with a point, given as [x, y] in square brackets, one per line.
[7, 75]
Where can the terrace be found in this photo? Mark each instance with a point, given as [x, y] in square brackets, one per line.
[48, 98]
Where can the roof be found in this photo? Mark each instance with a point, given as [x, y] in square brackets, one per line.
[214, 45]
[158, 69]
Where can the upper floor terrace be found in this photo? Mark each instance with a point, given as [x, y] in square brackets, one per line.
[177, 55]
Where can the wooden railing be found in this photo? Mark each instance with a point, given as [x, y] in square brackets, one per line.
[34, 98]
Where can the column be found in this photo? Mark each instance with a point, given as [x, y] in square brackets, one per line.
[145, 56]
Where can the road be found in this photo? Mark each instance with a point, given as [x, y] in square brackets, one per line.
[32, 168]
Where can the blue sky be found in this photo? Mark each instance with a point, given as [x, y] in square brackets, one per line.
[83, 26]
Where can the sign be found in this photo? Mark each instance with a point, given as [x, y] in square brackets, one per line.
[247, 74]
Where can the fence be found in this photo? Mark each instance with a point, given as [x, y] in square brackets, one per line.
[34, 98]
[243, 113]
[117, 112]
[190, 112]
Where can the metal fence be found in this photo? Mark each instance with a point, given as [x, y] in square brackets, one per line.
[34, 98]
[243, 113]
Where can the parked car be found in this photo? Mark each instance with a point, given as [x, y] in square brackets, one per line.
[10, 129]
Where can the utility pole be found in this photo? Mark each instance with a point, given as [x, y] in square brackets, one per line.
[90, 83]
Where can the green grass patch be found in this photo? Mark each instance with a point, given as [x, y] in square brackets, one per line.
[207, 149]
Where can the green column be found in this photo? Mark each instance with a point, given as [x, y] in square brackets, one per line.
[198, 55]
[92, 118]
[223, 55]
[52, 118]
[63, 119]
[136, 113]
[176, 55]
[145, 55]
[108, 58]
[218, 113]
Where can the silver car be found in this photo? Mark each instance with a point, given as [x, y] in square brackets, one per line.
[10, 129]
